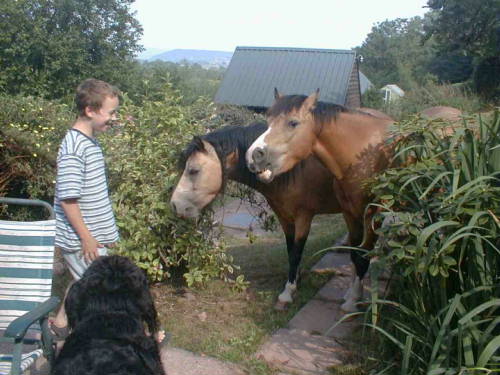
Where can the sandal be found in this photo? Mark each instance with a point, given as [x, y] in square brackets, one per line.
[59, 333]
[166, 338]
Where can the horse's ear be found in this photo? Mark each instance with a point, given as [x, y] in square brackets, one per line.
[199, 143]
[276, 94]
[311, 100]
[231, 160]
[208, 148]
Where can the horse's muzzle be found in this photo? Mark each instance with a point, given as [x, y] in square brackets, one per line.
[183, 210]
[259, 162]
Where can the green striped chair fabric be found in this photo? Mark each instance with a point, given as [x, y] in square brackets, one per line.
[27, 359]
[26, 261]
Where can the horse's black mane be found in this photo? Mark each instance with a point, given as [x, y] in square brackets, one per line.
[322, 112]
[226, 140]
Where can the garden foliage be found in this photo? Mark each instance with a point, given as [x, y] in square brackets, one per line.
[441, 208]
[142, 163]
[141, 155]
[31, 130]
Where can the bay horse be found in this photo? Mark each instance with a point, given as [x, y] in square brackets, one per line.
[350, 143]
[295, 197]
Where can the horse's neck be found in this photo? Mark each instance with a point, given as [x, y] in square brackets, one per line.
[341, 144]
[241, 176]
[237, 171]
[240, 173]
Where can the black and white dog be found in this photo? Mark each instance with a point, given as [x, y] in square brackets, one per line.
[113, 323]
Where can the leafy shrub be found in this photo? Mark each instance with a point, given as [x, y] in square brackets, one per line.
[31, 130]
[444, 236]
[142, 158]
[372, 98]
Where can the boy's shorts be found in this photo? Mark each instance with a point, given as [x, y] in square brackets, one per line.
[76, 262]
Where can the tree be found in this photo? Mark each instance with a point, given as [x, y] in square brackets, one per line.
[48, 46]
[192, 80]
[470, 28]
[451, 67]
[395, 52]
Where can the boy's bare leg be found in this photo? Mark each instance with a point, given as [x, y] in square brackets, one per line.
[61, 320]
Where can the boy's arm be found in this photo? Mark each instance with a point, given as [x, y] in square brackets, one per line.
[74, 215]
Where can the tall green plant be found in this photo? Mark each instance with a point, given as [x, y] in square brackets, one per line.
[442, 210]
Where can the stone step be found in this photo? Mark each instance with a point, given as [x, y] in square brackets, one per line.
[311, 344]
[321, 315]
[333, 262]
[182, 362]
[298, 352]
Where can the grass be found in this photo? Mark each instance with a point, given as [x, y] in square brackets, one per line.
[231, 325]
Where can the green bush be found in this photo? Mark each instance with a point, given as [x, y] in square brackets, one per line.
[372, 98]
[443, 208]
[31, 130]
[142, 159]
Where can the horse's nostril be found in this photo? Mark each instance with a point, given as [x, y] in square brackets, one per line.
[258, 154]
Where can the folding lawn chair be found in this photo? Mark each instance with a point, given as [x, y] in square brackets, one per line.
[26, 260]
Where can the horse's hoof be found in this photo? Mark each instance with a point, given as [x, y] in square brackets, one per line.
[281, 306]
[349, 307]
[347, 295]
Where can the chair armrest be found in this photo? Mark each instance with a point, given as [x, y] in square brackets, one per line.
[29, 202]
[17, 328]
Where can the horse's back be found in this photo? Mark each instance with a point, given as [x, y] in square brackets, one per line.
[441, 113]
[376, 113]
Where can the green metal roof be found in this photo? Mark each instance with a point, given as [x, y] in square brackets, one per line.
[254, 72]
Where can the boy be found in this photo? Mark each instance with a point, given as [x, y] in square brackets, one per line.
[85, 224]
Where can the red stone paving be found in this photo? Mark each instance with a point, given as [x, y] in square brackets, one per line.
[312, 342]
[299, 352]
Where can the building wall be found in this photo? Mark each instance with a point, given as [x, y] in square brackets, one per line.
[353, 97]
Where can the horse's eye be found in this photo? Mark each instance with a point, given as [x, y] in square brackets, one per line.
[193, 171]
[293, 123]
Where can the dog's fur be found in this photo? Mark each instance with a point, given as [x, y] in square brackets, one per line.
[113, 323]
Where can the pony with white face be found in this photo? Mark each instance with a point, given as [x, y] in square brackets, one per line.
[350, 143]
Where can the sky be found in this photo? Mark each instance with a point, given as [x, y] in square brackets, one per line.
[224, 24]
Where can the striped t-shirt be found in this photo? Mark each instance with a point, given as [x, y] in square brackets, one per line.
[81, 174]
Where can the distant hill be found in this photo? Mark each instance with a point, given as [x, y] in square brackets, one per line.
[149, 52]
[205, 58]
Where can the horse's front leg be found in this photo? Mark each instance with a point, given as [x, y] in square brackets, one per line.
[295, 249]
